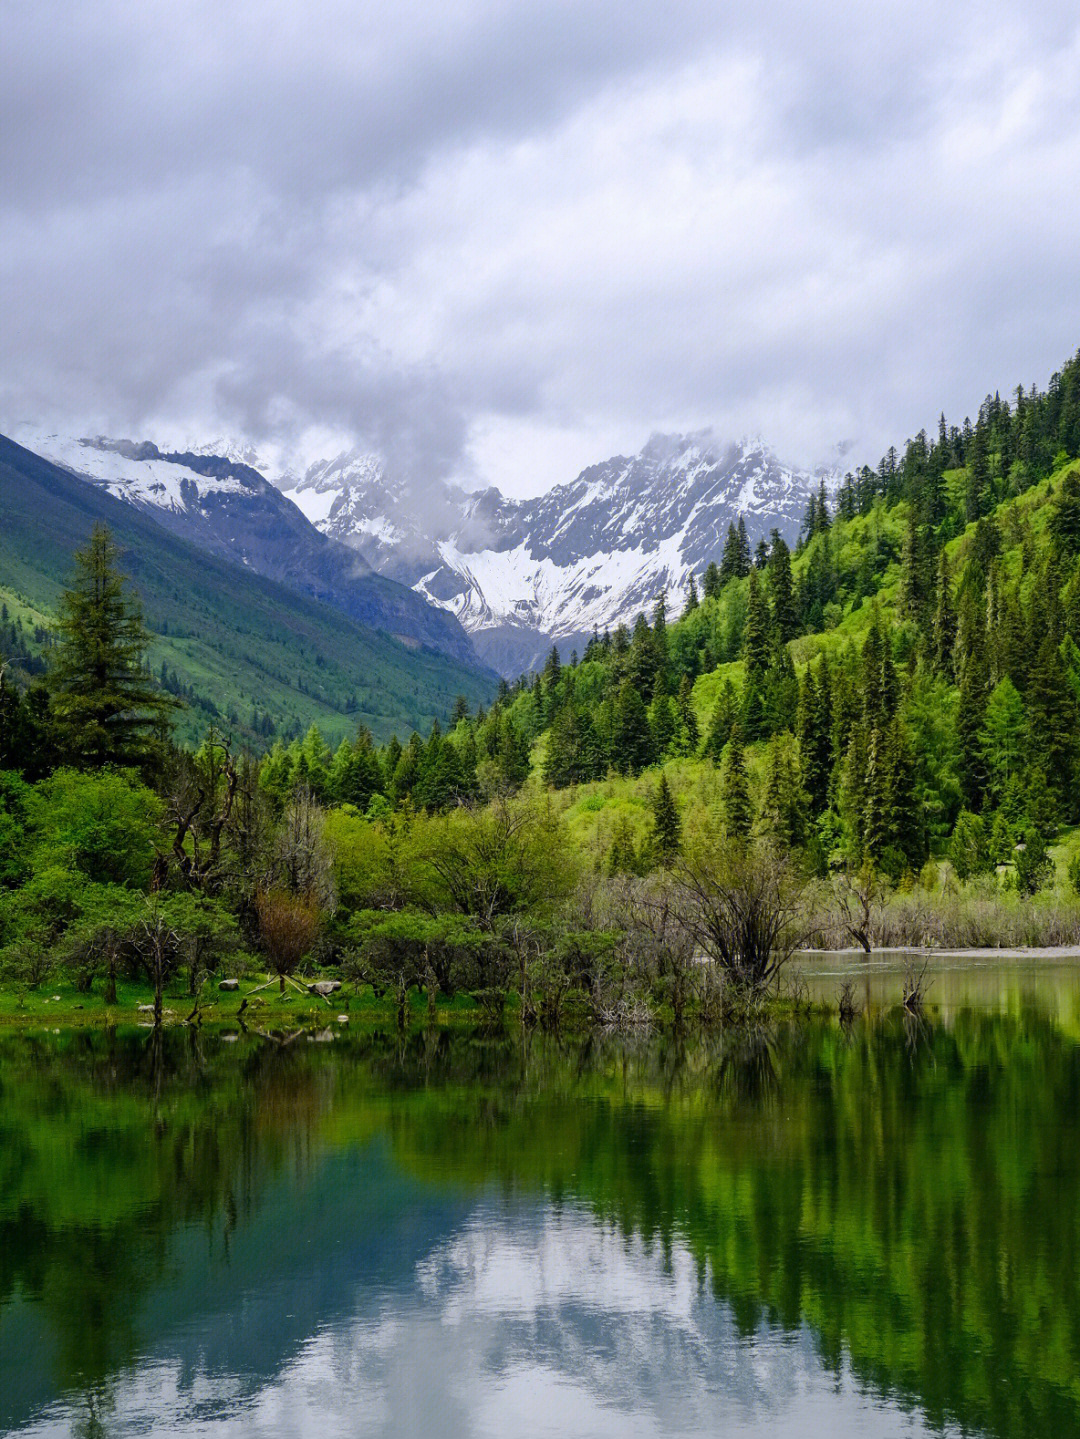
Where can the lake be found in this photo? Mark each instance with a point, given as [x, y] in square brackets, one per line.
[800, 1230]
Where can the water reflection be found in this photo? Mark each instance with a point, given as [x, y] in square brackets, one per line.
[803, 1230]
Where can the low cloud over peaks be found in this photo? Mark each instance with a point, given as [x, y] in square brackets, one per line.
[495, 242]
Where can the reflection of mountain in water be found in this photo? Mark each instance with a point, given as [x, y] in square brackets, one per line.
[792, 1231]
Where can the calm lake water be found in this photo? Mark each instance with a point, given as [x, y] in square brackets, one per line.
[805, 1231]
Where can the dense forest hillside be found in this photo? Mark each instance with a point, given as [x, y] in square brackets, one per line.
[238, 648]
[903, 684]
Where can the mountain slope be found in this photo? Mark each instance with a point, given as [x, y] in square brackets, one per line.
[250, 648]
[223, 505]
[592, 553]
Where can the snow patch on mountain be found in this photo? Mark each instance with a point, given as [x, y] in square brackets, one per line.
[136, 472]
[593, 552]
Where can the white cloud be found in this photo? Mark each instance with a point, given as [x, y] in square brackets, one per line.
[487, 238]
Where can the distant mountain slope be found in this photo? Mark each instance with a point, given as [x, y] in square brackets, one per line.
[249, 647]
[597, 551]
[223, 505]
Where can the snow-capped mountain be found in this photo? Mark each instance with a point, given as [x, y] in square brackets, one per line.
[594, 552]
[516, 575]
[221, 503]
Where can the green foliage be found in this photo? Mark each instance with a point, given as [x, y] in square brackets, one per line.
[667, 830]
[101, 826]
[105, 706]
[1034, 867]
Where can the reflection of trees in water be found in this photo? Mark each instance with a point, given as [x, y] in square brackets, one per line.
[910, 1191]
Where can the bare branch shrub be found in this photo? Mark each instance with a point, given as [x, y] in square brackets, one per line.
[743, 908]
[288, 926]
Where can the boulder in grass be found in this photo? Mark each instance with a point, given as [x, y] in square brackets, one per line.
[324, 987]
[229, 985]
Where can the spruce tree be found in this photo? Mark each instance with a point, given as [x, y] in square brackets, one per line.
[107, 708]
[782, 589]
[667, 831]
[729, 561]
[977, 485]
[757, 647]
[744, 549]
[691, 596]
[712, 581]
[632, 745]
[1052, 722]
[783, 814]
[1003, 735]
[905, 825]
[735, 790]
[686, 714]
[944, 636]
[724, 720]
[876, 830]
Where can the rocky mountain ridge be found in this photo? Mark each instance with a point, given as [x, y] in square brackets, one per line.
[223, 505]
[522, 574]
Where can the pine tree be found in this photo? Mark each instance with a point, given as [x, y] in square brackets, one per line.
[712, 581]
[784, 612]
[725, 718]
[1052, 722]
[783, 813]
[107, 707]
[667, 830]
[734, 790]
[691, 597]
[744, 550]
[632, 744]
[944, 637]
[687, 716]
[876, 832]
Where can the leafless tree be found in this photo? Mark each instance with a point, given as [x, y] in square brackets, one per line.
[288, 926]
[858, 892]
[159, 949]
[300, 861]
[743, 907]
[199, 802]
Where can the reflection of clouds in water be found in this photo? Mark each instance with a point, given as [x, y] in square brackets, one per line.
[520, 1323]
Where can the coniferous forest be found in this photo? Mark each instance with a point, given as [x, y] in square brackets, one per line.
[868, 736]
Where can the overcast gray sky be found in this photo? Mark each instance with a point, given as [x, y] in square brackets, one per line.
[502, 240]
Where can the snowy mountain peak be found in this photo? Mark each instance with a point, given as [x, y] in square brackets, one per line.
[518, 574]
[592, 552]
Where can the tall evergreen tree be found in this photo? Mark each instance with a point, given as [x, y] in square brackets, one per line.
[744, 549]
[632, 744]
[667, 830]
[107, 707]
[729, 561]
[782, 591]
[735, 790]
[725, 718]
[944, 637]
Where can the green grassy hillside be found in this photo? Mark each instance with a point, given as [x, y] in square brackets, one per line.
[241, 649]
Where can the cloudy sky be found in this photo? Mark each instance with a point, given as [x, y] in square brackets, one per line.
[499, 239]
